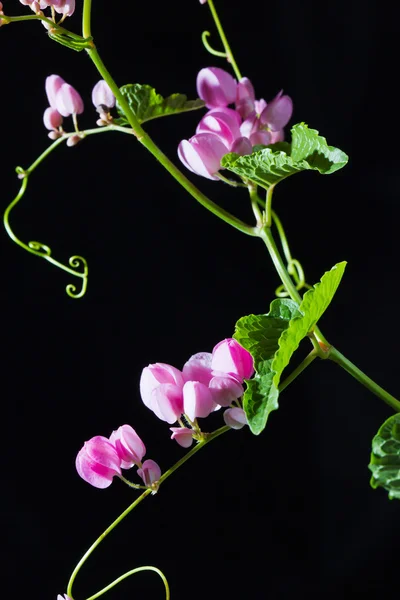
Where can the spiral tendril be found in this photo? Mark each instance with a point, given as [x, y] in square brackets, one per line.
[209, 48]
[44, 251]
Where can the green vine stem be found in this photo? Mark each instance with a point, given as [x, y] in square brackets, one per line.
[206, 440]
[376, 389]
[38, 248]
[228, 52]
[133, 572]
[55, 28]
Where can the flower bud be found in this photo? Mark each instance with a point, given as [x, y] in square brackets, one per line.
[64, 7]
[98, 461]
[235, 418]
[102, 95]
[202, 154]
[225, 389]
[220, 124]
[150, 472]
[161, 390]
[128, 445]
[242, 146]
[278, 112]
[183, 435]
[197, 400]
[68, 101]
[52, 118]
[230, 357]
[245, 98]
[198, 368]
[216, 87]
[52, 86]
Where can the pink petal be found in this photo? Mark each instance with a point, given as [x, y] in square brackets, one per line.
[197, 400]
[235, 418]
[225, 390]
[154, 375]
[198, 368]
[230, 357]
[150, 472]
[216, 87]
[278, 112]
[182, 435]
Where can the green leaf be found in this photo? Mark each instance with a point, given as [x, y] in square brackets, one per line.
[385, 457]
[272, 339]
[272, 164]
[147, 104]
[312, 307]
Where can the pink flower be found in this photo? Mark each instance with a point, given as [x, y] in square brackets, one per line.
[52, 86]
[202, 154]
[161, 390]
[216, 87]
[102, 95]
[222, 124]
[197, 400]
[128, 445]
[68, 101]
[64, 597]
[242, 146]
[150, 472]
[225, 389]
[198, 368]
[278, 112]
[52, 119]
[183, 435]
[245, 97]
[64, 7]
[235, 418]
[98, 461]
[230, 357]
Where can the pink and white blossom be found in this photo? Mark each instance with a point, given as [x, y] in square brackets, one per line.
[182, 435]
[98, 462]
[225, 389]
[150, 472]
[230, 357]
[102, 95]
[129, 446]
[161, 388]
[216, 87]
[52, 119]
[68, 101]
[197, 400]
[235, 418]
[202, 154]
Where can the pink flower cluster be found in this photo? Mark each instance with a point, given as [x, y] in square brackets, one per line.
[62, 7]
[223, 129]
[65, 101]
[102, 458]
[207, 382]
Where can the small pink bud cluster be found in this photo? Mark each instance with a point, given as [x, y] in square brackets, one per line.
[225, 129]
[62, 7]
[65, 101]
[1, 13]
[207, 382]
[102, 458]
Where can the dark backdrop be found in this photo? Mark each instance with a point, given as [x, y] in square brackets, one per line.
[289, 512]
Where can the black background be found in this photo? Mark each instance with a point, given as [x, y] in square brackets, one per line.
[289, 512]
